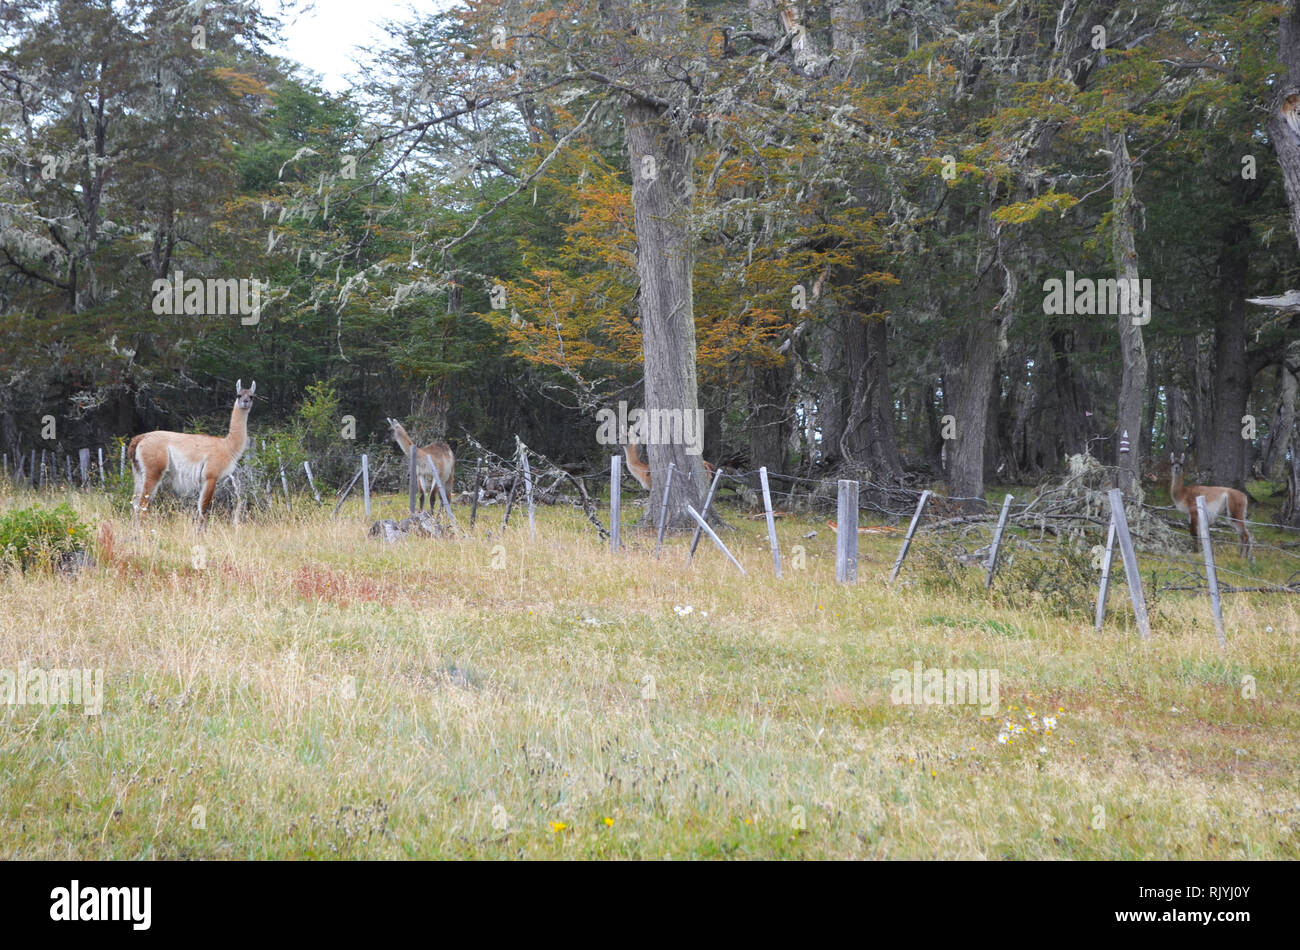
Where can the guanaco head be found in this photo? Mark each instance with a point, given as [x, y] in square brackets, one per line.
[1176, 466]
[244, 397]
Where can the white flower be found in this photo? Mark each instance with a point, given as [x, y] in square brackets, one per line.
[683, 610]
[1049, 722]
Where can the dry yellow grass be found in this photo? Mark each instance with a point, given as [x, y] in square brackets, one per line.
[310, 692]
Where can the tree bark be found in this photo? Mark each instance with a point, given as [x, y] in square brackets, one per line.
[1231, 372]
[1284, 115]
[660, 160]
[1133, 379]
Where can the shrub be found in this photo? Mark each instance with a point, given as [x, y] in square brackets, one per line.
[41, 537]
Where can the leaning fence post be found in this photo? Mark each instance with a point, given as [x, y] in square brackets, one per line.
[1107, 559]
[306, 467]
[528, 488]
[911, 530]
[771, 521]
[1130, 562]
[615, 507]
[663, 510]
[510, 499]
[997, 543]
[708, 500]
[365, 481]
[846, 533]
[346, 492]
[716, 540]
[478, 473]
[1203, 523]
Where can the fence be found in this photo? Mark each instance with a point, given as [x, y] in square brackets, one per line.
[956, 532]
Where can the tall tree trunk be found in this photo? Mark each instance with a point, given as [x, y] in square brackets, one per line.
[868, 442]
[1284, 117]
[1273, 461]
[1133, 379]
[973, 365]
[1231, 372]
[660, 159]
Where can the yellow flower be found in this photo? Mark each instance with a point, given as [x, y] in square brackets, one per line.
[558, 826]
[609, 821]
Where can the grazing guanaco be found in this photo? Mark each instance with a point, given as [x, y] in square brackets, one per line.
[435, 453]
[1217, 500]
[195, 462]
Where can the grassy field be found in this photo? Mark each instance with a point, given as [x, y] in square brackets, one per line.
[295, 689]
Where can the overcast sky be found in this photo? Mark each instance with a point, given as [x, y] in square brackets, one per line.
[331, 36]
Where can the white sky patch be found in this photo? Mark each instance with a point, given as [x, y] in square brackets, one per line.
[329, 37]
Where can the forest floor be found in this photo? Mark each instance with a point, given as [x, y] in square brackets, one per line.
[294, 689]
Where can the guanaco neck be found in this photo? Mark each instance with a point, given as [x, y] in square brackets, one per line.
[633, 453]
[402, 439]
[1175, 484]
[237, 438]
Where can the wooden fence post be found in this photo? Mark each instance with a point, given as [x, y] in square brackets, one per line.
[365, 481]
[992, 566]
[716, 540]
[100, 450]
[306, 467]
[346, 492]
[412, 480]
[771, 520]
[67, 461]
[83, 463]
[1107, 560]
[121, 461]
[1203, 524]
[615, 506]
[907, 541]
[528, 488]
[663, 509]
[478, 474]
[284, 480]
[708, 500]
[510, 499]
[1126, 551]
[846, 532]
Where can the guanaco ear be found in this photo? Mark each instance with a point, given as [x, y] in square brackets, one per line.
[239, 386]
[252, 388]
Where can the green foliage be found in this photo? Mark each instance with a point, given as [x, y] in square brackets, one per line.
[41, 537]
[1062, 580]
[318, 413]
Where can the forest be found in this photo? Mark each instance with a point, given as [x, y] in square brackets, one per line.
[916, 242]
